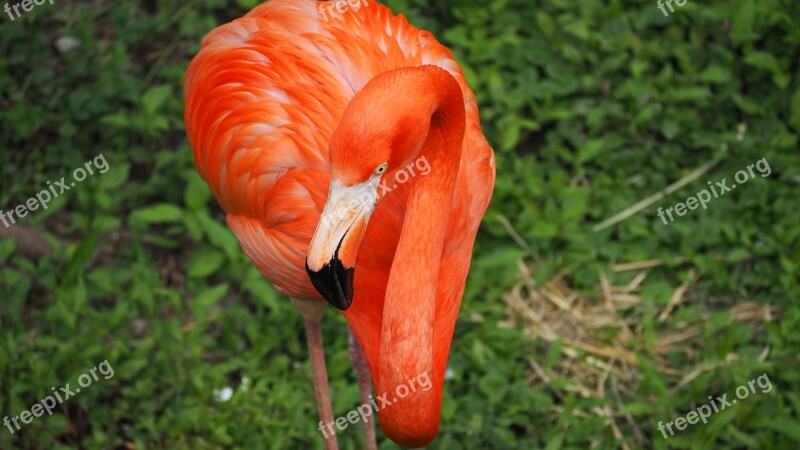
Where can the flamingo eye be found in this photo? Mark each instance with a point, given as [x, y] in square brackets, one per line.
[381, 169]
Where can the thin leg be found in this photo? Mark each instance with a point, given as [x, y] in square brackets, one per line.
[364, 386]
[312, 312]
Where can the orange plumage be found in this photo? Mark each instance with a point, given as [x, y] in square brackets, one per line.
[263, 99]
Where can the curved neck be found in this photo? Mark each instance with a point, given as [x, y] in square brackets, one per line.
[407, 332]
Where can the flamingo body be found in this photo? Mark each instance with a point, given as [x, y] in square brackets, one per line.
[263, 98]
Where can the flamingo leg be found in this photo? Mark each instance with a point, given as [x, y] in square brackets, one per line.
[312, 312]
[364, 386]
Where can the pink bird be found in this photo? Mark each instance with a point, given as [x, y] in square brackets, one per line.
[345, 147]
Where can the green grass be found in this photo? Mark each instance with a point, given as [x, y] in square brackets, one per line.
[591, 106]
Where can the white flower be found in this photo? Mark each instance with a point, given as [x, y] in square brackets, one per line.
[223, 395]
[66, 43]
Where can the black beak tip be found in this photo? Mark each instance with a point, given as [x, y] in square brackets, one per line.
[334, 281]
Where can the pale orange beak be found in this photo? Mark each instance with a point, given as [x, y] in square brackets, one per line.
[331, 259]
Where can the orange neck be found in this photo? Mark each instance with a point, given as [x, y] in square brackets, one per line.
[407, 331]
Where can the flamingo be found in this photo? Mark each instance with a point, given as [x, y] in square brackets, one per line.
[347, 154]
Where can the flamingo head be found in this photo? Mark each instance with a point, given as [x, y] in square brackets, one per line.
[331, 259]
[371, 143]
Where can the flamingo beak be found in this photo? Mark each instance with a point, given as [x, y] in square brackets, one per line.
[331, 259]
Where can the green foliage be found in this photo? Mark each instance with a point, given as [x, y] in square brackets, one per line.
[591, 106]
